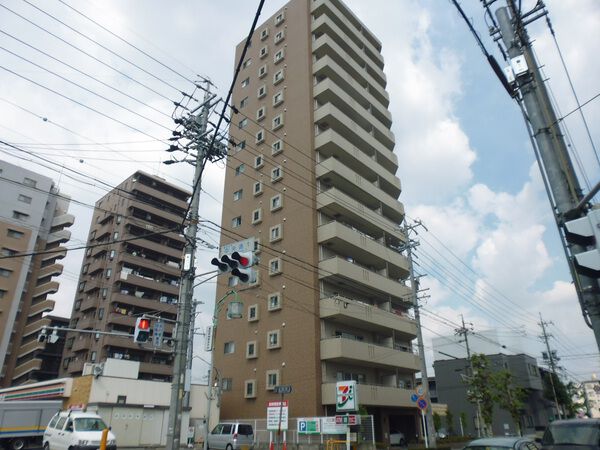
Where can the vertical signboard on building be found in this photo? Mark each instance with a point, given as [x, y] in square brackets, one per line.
[345, 395]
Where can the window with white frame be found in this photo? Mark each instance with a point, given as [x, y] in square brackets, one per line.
[280, 36]
[229, 347]
[243, 123]
[274, 301]
[250, 389]
[279, 56]
[237, 195]
[259, 161]
[258, 189]
[236, 222]
[262, 91]
[277, 122]
[264, 51]
[251, 350]
[272, 379]
[25, 199]
[108, 273]
[276, 174]
[278, 76]
[257, 245]
[276, 202]
[262, 71]
[252, 313]
[275, 233]
[276, 147]
[260, 137]
[248, 62]
[273, 339]
[264, 34]
[257, 216]
[243, 102]
[275, 266]
[279, 18]
[245, 81]
[278, 98]
[260, 113]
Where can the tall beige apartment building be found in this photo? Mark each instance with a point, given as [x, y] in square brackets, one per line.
[33, 222]
[312, 179]
[123, 280]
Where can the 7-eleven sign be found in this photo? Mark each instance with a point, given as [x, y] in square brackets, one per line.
[346, 398]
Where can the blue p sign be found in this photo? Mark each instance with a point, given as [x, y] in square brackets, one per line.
[302, 426]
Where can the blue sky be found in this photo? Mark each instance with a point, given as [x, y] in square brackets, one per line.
[466, 165]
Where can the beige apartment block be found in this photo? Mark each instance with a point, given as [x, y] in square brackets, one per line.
[123, 280]
[33, 222]
[312, 179]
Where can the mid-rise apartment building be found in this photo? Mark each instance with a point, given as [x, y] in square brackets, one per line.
[312, 179]
[33, 222]
[132, 267]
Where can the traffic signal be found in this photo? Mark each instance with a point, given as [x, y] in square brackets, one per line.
[585, 232]
[224, 264]
[43, 336]
[243, 269]
[142, 330]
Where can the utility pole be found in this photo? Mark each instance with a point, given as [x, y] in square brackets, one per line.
[195, 129]
[414, 283]
[464, 331]
[551, 362]
[562, 185]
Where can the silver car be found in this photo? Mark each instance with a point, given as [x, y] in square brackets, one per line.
[231, 436]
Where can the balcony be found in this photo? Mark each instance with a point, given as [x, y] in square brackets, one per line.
[29, 366]
[166, 198]
[148, 283]
[331, 172]
[123, 342]
[30, 347]
[153, 210]
[146, 303]
[150, 227]
[89, 303]
[340, 272]
[75, 366]
[324, 25]
[123, 319]
[57, 253]
[372, 395]
[92, 284]
[35, 327]
[40, 307]
[344, 240]
[83, 343]
[88, 323]
[64, 220]
[335, 203]
[352, 352]
[155, 246]
[148, 264]
[61, 236]
[51, 270]
[97, 265]
[51, 287]
[366, 317]
[156, 369]
[331, 144]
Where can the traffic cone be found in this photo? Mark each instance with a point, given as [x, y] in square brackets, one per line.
[284, 445]
[271, 446]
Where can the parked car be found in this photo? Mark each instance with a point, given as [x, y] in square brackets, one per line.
[231, 436]
[397, 438]
[502, 443]
[76, 430]
[581, 433]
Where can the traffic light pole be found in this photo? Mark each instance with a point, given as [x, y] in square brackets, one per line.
[187, 290]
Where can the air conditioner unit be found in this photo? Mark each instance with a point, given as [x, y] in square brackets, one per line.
[93, 369]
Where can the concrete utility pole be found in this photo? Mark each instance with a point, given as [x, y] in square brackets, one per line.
[563, 187]
[195, 129]
[551, 362]
[464, 331]
[414, 283]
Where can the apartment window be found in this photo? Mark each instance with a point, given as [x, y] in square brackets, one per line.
[262, 71]
[93, 235]
[115, 235]
[252, 313]
[280, 36]
[237, 195]
[257, 216]
[226, 384]
[276, 202]
[276, 174]
[108, 273]
[3, 293]
[251, 350]
[240, 169]
[104, 292]
[259, 161]
[275, 233]
[25, 199]
[100, 313]
[274, 301]
[243, 123]
[276, 147]
[85, 268]
[277, 122]
[236, 222]
[258, 188]
[8, 252]
[275, 266]
[273, 339]
[250, 389]
[5, 273]
[278, 98]
[19, 215]
[81, 286]
[264, 34]
[264, 51]
[29, 182]
[119, 217]
[279, 18]
[77, 304]
[256, 245]
[244, 102]
[229, 347]
[247, 63]
[260, 137]
[260, 113]
[278, 76]
[88, 252]
[14, 234]
[241, 145]
[272, 379]
[262, 91]
[112, 254]
[279, 56]
[245, 82]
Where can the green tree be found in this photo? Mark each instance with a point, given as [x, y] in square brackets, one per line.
[563, 394]
[508, 396]
[480, 390]
[449, 422]
[437, 421]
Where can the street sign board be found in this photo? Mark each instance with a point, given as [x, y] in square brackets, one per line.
[348, 419]
[275, 410]
[422, 403]
[246, 245]
[414, 398]
[283, 389]
[309, 425]
[157, 334]
[328, 426]
[346, 398]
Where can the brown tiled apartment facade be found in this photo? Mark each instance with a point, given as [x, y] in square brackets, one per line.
[121, 281]
[34, 222]
[312, 179]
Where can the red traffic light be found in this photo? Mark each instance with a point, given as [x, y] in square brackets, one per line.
[244, 259]
[143, 324]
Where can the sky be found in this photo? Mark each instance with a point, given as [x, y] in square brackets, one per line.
[488, 249]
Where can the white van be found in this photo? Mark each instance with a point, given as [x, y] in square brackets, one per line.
[76, 430]
[231, 436]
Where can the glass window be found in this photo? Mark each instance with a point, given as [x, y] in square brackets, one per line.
[25, 199]
[240, 169]
[237, 195]
[272, 379]
[275, 233]
[89, 423]
[278, 76]
[249, 391]
[5, 273]
[264, 34]
[260, 113]
[276, 202]
[279, 18]
[279, 36]
[247, 63]
[276, 174]
[14, 234]
[229, 347]
[274, 301]
[251, 349]
[245, 82]
[279, 56]
[258, 161]
[275, 266]
[252, 313]
[257, 216]
[262, 91]
[29, 182]
[20, 216]
[236, 222]
[278, 98]
[244, 102]
[277, 122]
[226, 384]
[264, 51]
[273, 339]
[258, 188]
[243, 123]
[262, 71]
